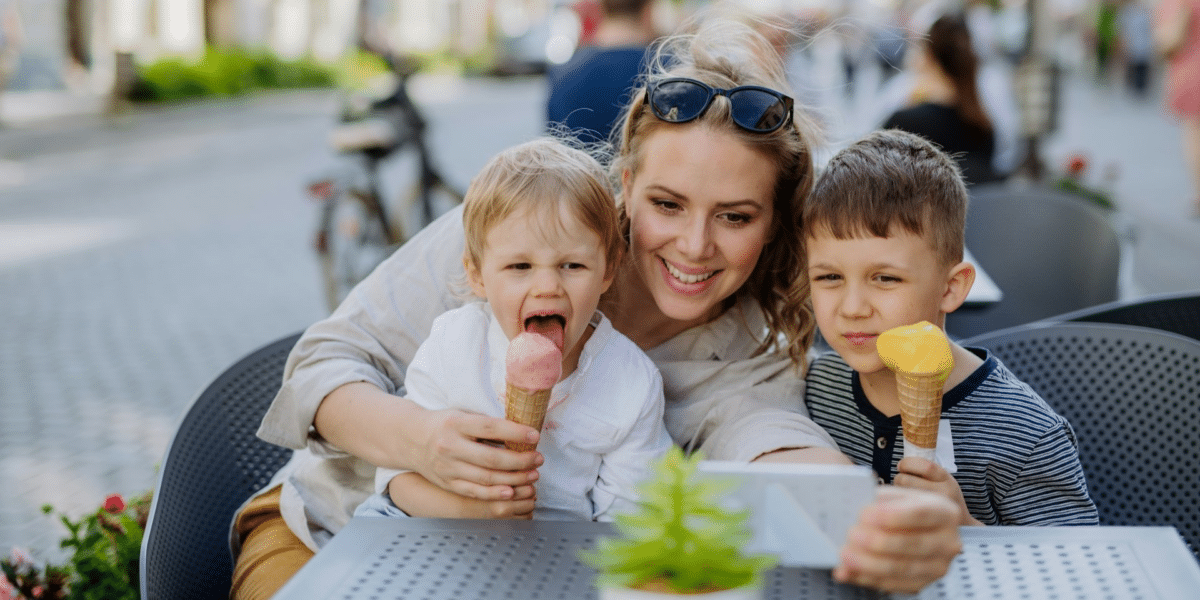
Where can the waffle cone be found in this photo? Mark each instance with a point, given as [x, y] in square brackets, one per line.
[920, 407]
[527, 407]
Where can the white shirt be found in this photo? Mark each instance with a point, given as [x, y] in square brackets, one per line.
[720, 398]
[604, 427]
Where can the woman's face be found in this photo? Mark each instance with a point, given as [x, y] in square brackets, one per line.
[701, 209]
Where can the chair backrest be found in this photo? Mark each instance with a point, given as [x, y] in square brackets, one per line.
[212, 465]
[1177, 312]
[1132, 395]
[1049, 252]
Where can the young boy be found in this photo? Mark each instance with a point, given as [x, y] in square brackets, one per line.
[543, 244]
[884, 232]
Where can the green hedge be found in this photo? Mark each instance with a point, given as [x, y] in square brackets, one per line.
[226, 73]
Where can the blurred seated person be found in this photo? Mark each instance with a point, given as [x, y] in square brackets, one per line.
[944, 105]
[588, 91]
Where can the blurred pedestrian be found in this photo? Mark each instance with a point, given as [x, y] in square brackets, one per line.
[944, 104]
[1177, 30]
[588, 91]
[1105, 36]
[1137, 45]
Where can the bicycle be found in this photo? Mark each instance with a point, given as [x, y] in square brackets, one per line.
[357, 228]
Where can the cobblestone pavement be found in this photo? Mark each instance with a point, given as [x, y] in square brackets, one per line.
[141, 255]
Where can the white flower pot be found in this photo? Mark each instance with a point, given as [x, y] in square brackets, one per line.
[622, 593]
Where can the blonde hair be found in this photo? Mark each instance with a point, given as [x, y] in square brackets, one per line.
[725, 53]
[546, 176]
[892, 178]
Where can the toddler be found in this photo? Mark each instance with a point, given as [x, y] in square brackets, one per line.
[542, 246]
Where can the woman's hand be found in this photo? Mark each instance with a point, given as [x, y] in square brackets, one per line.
[921, 474]
[442, 445]
[452, 456]
[902, 542]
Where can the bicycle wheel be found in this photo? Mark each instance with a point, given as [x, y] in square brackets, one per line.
[355, 242]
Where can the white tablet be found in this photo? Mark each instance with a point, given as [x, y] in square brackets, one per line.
[800, 513]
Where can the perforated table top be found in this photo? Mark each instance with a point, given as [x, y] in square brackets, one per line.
[434, 559]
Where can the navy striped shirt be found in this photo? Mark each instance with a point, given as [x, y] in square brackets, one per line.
[1017, 459]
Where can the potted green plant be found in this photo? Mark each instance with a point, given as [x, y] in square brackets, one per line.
[680, 540]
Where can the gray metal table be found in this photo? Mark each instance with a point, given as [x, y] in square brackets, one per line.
[415, 559]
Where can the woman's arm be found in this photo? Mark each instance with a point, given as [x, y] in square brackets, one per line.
[813, 455]
[442, 445]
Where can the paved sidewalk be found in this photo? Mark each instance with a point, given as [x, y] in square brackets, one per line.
[28, 108]
[141, 254]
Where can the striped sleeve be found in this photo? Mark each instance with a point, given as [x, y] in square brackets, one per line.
[1050, 489]
[1020, 457]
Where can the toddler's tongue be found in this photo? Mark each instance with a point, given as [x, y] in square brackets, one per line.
[550, 326]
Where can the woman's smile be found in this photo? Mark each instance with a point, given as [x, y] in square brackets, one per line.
[688, 280]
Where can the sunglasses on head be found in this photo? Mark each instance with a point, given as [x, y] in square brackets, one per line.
[754, 108]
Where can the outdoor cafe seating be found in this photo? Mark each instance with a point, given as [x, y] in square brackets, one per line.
[1047, 251]
[1176, 312]
[213, 464]
[1132, 394]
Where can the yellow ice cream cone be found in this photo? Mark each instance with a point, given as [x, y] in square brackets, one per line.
[920, 357]
[920, 407]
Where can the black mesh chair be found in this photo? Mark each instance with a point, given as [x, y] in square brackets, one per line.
[213, 464]
[1049, 252]
[1177, 312]
[1132, 395]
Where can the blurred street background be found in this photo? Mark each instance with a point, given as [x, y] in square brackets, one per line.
[145, 246]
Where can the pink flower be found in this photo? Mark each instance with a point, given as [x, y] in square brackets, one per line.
[21, 557]
[114, 503]
[7, 591]
[37, 591]
[1076, 165]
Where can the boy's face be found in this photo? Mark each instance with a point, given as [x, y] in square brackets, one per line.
[864, 286]
[541, 276]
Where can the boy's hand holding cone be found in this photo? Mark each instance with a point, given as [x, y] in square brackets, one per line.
[920, 357]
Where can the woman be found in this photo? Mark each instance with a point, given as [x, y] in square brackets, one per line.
[945, 107]
[711, 182]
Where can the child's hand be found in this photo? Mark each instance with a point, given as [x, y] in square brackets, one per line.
[417, 497]
[921, 474]
[520, 507]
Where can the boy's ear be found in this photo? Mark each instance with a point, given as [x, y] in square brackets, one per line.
[959, 280]
[474, 277]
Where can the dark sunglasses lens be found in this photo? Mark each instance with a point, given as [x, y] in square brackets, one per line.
[678, 101]
[757, 110]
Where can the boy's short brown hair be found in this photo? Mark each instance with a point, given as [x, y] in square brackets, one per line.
[546, 176]
[891, 178]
